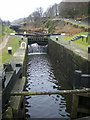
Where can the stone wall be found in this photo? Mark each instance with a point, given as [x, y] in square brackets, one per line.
[67, 60]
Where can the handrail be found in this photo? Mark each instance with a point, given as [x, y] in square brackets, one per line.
[4, 70]
[75, 91]
[37, 35]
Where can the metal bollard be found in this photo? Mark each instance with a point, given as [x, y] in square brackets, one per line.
[56, 38]
[18, 65]
[9, 50]
[89, 49]
[89, 54]
[22, 37]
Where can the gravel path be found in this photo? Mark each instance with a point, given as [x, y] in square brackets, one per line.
[5, 40]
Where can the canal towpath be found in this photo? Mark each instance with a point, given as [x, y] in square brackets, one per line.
[4, 42]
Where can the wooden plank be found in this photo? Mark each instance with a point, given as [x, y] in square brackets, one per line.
[74, 106]
[84, 110]
[75, 91]
[11, 79]
[9, 87]
[85, 95]
[84, 118]
[16, 101]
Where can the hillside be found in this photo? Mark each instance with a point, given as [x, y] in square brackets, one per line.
[54, 26]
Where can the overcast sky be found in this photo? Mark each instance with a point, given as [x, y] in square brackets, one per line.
[14, 9]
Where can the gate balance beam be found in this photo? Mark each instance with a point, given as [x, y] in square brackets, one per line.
[76, 91]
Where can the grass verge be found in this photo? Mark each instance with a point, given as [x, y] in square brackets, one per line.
[5, 31]
[12, 42]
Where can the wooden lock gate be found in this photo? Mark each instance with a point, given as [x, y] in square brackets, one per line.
[76, 94]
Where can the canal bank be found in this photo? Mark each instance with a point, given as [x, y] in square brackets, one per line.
[58, 54]
[41, 77]
[68, 57]
[75, 65]
[14, 80]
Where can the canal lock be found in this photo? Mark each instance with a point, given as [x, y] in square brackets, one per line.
[44, 75]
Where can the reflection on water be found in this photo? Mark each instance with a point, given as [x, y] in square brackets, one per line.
[40, 77]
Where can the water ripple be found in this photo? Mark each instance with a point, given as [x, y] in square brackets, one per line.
[40, 77]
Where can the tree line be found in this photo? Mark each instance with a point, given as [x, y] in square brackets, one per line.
[63, 10]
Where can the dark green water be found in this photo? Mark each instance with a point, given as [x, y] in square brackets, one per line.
[42, 75]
